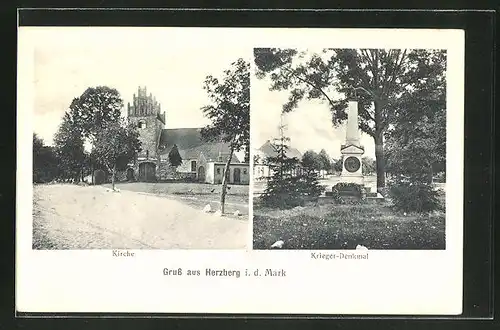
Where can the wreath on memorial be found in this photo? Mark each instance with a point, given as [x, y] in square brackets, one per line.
[356, 189]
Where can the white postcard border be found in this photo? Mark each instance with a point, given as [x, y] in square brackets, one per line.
[390, 282]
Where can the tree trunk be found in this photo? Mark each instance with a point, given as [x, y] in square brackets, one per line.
[430, 174]
[113, 177]
[92, 169]
[380, 160]
[225, 178]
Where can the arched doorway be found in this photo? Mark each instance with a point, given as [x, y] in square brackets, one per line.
[201, 174]
[130, 174]
[147, 172]
[236, 175]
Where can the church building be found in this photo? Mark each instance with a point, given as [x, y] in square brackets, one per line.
[201, 161]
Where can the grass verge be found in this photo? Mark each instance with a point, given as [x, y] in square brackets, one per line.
[331, 227]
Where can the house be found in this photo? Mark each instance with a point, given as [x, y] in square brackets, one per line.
[261, 170]
[201, 160]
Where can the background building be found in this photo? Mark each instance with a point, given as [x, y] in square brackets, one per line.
[261, 170]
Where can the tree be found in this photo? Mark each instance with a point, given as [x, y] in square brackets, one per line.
[247, 154]
[380, 77]
[174, 158]
[69, 150]
[229, 113]
[369, 165]
[418, 134]
[337, 164]
[324, 160]
[292, 181]
[115, 146]
[256, 159]
[416, 152]
[311, 160]
[93, 111]
[37, 149]
[44, 161]
[37, 144]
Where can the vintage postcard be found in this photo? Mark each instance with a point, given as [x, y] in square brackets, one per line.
[240, 170]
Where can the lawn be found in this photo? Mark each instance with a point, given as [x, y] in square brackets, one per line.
[194, 194]
[331, 227]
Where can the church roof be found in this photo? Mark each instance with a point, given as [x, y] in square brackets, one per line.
[190, 144]
[184, 138]
[268, 150]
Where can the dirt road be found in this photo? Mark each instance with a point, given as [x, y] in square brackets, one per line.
[75, 217]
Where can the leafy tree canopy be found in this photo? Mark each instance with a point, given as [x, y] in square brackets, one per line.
[95, 109]
[389, 84]
[69, 148]
[229, 110]
[311, 159]
[117, 145]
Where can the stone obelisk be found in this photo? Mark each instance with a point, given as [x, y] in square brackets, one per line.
[352, 150]
[352, 134]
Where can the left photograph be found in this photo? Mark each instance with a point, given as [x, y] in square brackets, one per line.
[140, 140]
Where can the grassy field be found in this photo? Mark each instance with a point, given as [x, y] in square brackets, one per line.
[375, 226]
[194, 194]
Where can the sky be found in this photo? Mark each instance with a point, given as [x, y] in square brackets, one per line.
[171, 65]
[309, 126]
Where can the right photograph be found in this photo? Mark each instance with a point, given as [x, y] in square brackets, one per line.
[349, 149]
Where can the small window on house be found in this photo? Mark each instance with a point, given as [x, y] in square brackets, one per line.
[244, 171]
[218, 171]
[193, 166]
[142, 124]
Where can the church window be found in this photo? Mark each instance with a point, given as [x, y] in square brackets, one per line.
[218, 171]
[193, 166]
[147, 153]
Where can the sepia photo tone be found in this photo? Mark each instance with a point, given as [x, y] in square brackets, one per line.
[358, 157]
[139, 147]
[180, 160]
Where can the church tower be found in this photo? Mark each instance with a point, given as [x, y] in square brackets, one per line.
[145, 114]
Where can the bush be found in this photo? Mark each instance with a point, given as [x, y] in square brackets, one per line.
[355, 190]
[290, 192]
[99, 177]
[414, 197]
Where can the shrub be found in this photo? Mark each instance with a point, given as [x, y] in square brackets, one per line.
[357, 191]
[290, 192]
[99, 177]
[414, 197]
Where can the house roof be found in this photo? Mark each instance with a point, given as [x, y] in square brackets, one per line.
[190, 144]
[268, 150]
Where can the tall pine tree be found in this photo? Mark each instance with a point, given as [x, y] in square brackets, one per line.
[290, 184]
